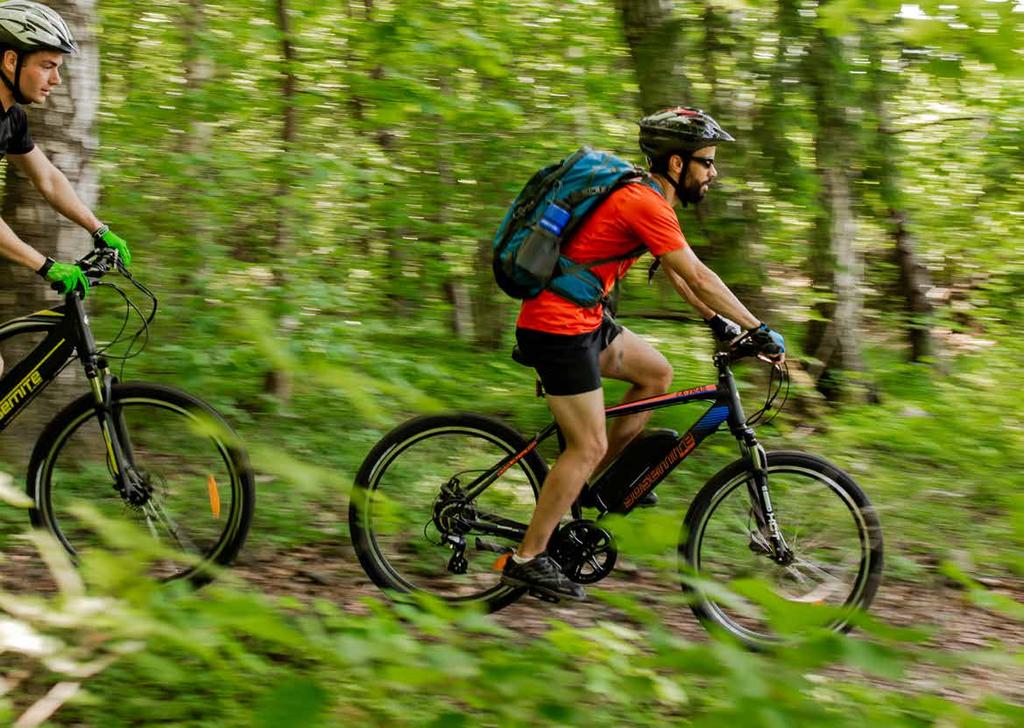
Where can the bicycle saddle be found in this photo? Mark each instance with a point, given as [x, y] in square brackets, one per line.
[519, 357]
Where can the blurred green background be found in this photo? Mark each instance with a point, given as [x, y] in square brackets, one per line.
[311, 190]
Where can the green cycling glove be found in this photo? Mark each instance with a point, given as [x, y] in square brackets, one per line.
[104, 237]
[68, 275]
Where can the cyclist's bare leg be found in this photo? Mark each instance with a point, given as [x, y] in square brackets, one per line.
[631, 359]
[581, 419]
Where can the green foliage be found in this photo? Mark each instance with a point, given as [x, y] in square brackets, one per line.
[230, 657]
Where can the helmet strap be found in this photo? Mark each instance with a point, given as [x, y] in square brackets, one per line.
[15, 86]
[678, 185]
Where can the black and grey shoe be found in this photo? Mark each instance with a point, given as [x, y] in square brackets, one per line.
[542, 577]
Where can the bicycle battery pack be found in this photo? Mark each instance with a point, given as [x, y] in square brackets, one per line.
[634, 473]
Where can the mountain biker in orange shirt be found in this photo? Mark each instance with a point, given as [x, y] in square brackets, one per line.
[572, 347]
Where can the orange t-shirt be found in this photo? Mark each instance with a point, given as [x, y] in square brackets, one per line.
[631, 216]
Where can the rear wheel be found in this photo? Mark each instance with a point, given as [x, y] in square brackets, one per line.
[195, 493]
[827, 522]
[412, 526]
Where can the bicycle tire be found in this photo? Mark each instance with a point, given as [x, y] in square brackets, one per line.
[186, 450]
[412, 462]
[710, 553]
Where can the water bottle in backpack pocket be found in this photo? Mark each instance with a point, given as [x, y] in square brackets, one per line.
[634, 473]
[538, 254]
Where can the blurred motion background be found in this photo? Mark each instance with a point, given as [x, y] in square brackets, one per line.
[311, 189]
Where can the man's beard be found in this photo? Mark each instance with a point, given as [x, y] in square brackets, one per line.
[691, 193]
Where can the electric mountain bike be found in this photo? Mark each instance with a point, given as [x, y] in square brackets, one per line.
[441, 500]
[148, 453]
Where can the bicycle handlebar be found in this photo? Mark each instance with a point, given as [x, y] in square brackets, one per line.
[746, 347]
[95, 264]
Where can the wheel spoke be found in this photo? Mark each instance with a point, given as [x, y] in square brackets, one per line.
[155, 508]
[824, 518]
[403, 493]
[198, 487]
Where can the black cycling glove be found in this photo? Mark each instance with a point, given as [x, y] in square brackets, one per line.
[767, 342]
[724, 329]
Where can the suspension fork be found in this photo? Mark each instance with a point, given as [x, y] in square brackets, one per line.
[120, 458]
[112, 426]
[757, 488]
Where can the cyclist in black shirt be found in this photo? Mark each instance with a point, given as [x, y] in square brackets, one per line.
[33, 42]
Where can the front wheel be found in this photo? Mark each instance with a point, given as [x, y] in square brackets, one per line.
[415, 528]
[193, 493]
[827, 522]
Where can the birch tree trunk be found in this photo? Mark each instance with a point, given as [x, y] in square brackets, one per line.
[836, 267]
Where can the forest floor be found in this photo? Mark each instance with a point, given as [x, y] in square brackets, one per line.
[332, 572]
[958, 626]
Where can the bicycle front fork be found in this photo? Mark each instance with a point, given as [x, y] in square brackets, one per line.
[120, 457]
[761, 502]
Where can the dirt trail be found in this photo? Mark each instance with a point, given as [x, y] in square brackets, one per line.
[332, 572]
[959, 625]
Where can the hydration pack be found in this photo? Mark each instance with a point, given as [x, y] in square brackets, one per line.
[546, 214]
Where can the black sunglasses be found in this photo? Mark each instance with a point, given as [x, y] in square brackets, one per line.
[708, 162]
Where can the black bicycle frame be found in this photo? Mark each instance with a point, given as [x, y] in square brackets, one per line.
[67, 332]
[33, 374]
[725, 407]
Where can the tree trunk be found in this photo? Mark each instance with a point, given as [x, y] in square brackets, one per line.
[457, 293]
[655, 39]
[835, 266]
[489, 308]
[913, 281]
[64, 129]
[199, 72]
[734, 229]
[278, 381]
[914, 284]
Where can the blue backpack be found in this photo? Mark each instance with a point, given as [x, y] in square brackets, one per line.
[546, 214]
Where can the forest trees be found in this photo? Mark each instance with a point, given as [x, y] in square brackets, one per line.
[325, 165]
[819, 82]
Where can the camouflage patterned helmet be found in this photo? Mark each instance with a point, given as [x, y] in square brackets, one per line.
[679, 131]
[28, 26]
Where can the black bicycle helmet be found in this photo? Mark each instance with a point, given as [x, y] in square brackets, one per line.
[680, 130]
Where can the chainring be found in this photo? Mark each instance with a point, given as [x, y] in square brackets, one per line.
[585, 551]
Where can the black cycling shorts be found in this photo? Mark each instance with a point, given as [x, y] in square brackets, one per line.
[568, 364]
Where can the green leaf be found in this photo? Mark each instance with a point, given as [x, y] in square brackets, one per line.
[295, 703]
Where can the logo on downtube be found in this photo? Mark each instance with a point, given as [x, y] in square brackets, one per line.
[656, 473]
[18, 395]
